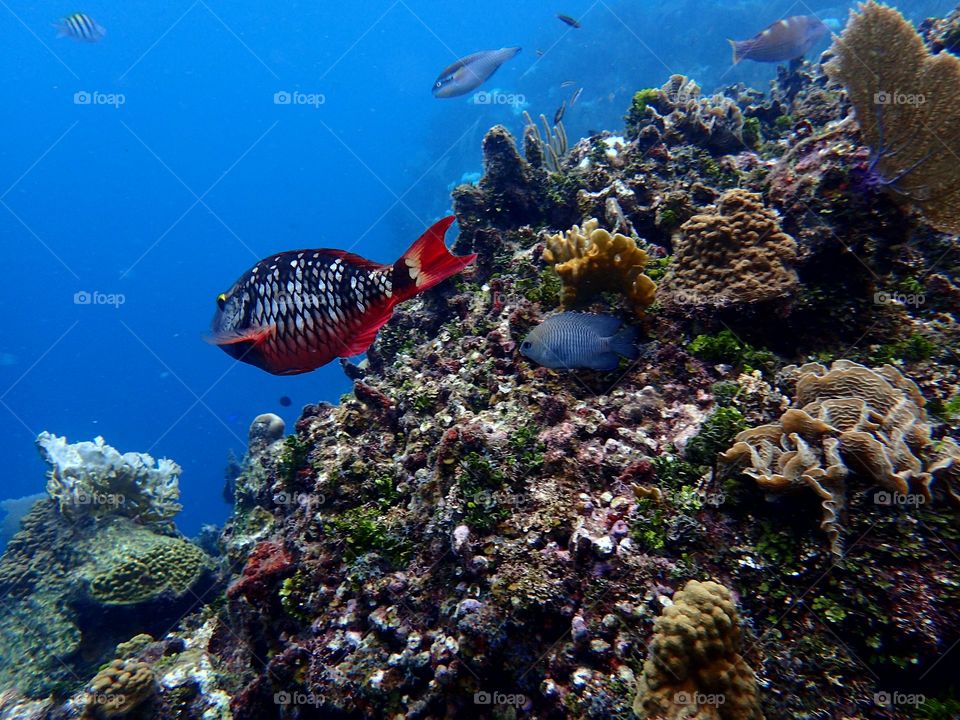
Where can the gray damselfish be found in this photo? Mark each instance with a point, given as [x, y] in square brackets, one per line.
[580, 340]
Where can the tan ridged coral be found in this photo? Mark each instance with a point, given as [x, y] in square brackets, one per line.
[848, 420]
[737, 255]
[119, 688]
[694, 670]
[590, 260]
[907, 103]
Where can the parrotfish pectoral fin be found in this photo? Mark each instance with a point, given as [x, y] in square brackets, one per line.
[254, 335]
[61, 29]
[364, 338]
[427, 262]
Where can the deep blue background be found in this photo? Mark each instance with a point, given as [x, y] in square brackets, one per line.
[103, 198]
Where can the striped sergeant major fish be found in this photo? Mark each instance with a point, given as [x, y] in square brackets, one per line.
[80, 26]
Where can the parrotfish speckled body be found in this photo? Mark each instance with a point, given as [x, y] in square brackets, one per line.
[785, 39]
[298, 310]
[471, 72]
[580, 340]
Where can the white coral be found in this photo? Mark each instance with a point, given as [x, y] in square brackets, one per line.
[92, 478]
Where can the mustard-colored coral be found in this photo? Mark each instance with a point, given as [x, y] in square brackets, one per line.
[119, 688]
[907, 103]
[694, 670]
[736, 255]
[847, 421]
[590, 260]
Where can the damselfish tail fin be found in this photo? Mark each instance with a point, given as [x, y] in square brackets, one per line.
[736, 54]
[624, 343]
[427, 262]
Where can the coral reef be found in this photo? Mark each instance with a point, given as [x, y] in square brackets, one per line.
[590, 260]
[694, 669]
[735, 256]
[91, 478]
[906, 104]
[119, 688]
[848, 420]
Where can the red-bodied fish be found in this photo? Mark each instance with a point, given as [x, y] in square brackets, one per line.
[298, 310]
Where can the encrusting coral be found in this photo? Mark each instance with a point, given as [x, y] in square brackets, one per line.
[694, 669]
[907, 103]
[93, 479]
[119, 688]
[847, 420]
[735, 256]
[590, 260]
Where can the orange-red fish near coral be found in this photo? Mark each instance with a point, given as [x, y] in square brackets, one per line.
[298, 310]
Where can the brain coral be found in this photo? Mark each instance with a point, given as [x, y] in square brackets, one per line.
[737, 255]
[590, 260]
[694, 669]
[144, 567]
[120, 687]
[848, 420]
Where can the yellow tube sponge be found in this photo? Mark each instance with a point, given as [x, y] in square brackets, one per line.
[590, 260]
[694, 670]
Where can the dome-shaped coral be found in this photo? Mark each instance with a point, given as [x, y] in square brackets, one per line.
[120, 687]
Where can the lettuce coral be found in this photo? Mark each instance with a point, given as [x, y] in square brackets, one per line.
[590, 260]
[850, 420]
[694, 669]
[907, 104]
[93, 479]
[736, 255]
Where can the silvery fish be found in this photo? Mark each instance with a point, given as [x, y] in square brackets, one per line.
[785, 39]
[580, 340]
[80, 26]
[471, 72]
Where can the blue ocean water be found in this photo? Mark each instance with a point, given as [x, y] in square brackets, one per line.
[141, 175]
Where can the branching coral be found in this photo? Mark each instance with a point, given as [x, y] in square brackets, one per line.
[907, 103]
[547, 150]
[694, 669]
[848, 420]
[591, 260]
[677, 113]
[735, 256]
[93, 479]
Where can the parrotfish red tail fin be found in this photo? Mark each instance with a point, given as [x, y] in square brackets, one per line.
[427, 262]
[736, 54]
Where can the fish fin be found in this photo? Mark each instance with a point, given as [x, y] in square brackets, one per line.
[427, 262]
[733, 46]
[361, 342]
[255, 335]
[61, 29]
[605, 362]
[624, 343]
[603, 325]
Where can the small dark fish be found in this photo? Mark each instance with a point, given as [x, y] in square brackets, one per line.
[568, 20]
[558, 115]
[576, 96]
[80, 26]
[580, 340]
[470, 72]
[298, 310]
[285, 401]
[567, 83]
[785, 39]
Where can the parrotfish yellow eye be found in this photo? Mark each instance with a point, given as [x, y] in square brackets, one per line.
[221, 301]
